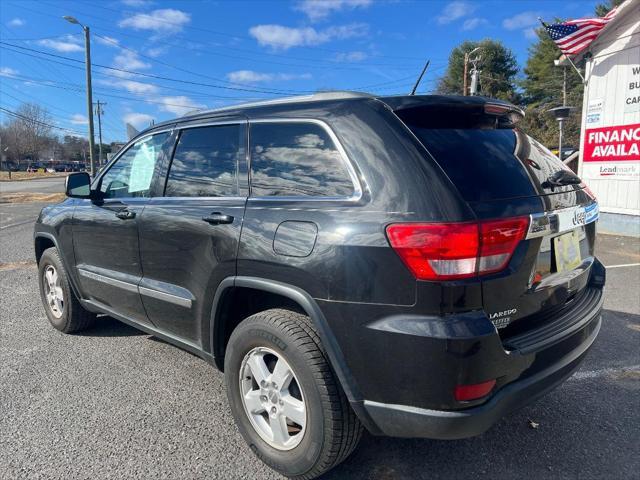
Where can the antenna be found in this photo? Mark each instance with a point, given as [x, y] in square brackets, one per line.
[415, 87]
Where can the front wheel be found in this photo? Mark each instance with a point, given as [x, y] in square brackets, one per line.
[284, 396]
[60, 304]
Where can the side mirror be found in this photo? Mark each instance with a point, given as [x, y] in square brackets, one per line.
[78, 185]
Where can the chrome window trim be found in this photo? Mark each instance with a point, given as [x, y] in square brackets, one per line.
[355, 181]
[546, 223]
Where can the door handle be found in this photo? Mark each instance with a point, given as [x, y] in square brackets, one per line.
[126, 214]
[217, 218]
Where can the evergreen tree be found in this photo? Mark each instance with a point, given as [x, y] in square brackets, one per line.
[542, 90]
[498, 65]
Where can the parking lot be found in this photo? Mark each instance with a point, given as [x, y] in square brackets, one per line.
[115, 402]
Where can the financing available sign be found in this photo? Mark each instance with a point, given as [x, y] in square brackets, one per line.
[612, 151]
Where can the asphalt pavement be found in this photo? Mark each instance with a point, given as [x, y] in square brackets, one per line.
[115, 402]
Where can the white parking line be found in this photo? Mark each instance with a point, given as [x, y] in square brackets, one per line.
[604, 372]
[622, 265]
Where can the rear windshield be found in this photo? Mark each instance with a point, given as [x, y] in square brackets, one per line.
[486, 164]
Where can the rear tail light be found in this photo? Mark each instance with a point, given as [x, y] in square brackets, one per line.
[473, 392]
[448, 251]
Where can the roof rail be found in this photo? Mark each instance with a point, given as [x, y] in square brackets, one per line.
[315, 97]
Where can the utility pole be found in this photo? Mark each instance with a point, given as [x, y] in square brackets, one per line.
[466, 73]
[564, 86]
[467, 55]
[87, 59]
[99, 113]
[475, 76]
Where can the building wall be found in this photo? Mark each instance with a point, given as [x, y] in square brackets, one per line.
[612, 99]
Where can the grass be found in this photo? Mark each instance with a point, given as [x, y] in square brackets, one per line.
[17, 176]
[27, 197]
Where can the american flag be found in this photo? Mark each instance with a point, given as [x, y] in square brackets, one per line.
[573, 36]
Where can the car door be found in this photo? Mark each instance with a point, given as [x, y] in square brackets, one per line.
[189, 236]
[105, 230]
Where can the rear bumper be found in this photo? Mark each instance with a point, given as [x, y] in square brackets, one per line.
[407, 421]
[418, 361]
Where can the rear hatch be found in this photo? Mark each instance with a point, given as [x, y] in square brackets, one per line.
[501, 173]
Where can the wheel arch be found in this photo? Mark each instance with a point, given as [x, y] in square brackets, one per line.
[45, 240]
[298, 298]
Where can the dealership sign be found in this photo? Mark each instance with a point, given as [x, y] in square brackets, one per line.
[615, 149]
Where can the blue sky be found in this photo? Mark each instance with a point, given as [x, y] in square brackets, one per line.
[202, 53]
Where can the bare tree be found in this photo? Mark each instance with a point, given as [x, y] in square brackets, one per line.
[28, 132]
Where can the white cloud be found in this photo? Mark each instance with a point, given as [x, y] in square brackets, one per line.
[129, 60]
[165, 20]
[178, 105]
[454, 11]
[355, 56]
[321, 9]
[138, 120]
[281, 37]
[521, 20]
[78, 119]
[8, 72]
[65, 44]
[136, 3]
[249, 76]
[472, 23]
[16, 22]
[107, 41]
[157, 51]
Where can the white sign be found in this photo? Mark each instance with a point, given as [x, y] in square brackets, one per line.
[632, 96]
[594, 111]
[617, 170]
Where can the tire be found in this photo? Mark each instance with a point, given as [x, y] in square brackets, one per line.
[66, 315]
[331, 430]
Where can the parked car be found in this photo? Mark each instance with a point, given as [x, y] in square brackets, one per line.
[35, 167]
[412, 265]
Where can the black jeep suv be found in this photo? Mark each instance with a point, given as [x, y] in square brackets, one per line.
[415, 265]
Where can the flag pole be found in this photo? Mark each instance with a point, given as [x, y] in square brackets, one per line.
[584, 82]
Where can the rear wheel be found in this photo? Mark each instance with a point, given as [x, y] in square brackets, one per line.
[284, 396]
[60, 304]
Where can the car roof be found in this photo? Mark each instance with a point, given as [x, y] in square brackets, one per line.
[320, 99]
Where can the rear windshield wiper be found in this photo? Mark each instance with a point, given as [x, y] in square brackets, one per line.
[561, 178]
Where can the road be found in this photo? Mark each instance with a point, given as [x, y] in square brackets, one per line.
[117, 403]
[40, 185]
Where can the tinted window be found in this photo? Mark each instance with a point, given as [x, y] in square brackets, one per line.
[132, 173]
[205, 162]
[488, 164]
[296, 159]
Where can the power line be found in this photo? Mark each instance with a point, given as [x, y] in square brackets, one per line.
[151, 75]
[226, 34]
[44, 124]
[334, 64]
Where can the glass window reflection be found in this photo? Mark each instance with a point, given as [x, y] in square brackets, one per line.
[205, 162]
[296, 159]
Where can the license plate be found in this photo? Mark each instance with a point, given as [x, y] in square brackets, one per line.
[567, 251]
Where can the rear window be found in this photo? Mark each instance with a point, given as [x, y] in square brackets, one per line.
[296, 159]
[487, 164]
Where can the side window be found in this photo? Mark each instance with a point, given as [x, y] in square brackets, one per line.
[296, 159]
[205, 162]
[132, 173]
